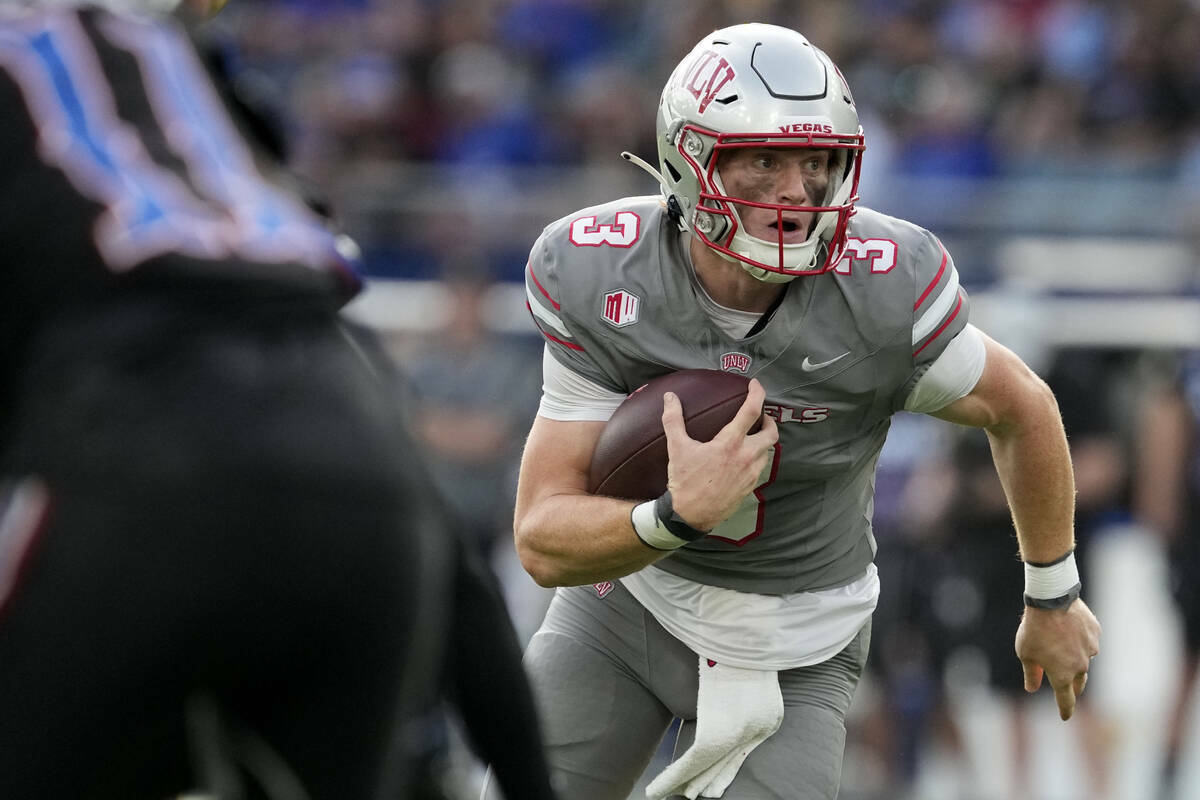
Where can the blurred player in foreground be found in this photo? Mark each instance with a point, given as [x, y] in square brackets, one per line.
[220, 571]
[741, 600]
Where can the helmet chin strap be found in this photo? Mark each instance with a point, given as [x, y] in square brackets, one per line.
[662, 182]
[765, 275]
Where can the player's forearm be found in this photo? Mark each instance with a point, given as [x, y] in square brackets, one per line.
[576, 539]
[1034, 465]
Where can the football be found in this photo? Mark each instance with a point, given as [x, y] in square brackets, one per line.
[630, 459]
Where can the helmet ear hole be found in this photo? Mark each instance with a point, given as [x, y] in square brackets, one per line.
[670, 169]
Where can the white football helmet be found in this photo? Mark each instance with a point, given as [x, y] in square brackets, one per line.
[758, 85]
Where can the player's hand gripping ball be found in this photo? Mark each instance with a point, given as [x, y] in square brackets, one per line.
[630, 459]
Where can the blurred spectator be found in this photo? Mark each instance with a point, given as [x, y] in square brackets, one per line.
[1166, 495]
[560, 35]
[948, 558]
[915, 485]
[602, 113]
[474, 393]
[486, 97]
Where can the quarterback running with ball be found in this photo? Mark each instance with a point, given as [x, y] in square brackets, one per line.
[742, 601]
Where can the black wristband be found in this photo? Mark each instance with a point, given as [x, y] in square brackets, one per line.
[1058, 560]
[1055, 603]
[665, 511]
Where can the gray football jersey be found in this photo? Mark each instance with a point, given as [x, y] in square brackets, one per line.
[612, 290]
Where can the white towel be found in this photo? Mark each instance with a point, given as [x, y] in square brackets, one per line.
[736, 710]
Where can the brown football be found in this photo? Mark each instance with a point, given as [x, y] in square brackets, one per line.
[630, 459]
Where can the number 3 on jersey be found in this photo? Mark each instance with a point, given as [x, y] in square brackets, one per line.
[623, 232]
[747, 522]
[881, 253]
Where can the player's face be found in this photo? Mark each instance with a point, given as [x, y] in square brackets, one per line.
[784, 176]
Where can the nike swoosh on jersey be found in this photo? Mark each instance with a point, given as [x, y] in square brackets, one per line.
[808, 366]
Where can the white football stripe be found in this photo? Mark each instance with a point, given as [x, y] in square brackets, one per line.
[938, 310]
[544, 314]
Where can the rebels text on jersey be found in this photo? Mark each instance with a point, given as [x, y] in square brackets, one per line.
[612, 290]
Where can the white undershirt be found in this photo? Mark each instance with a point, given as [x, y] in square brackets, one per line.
[952, 375]
[748, 630]
[757, 631]
[734, 322]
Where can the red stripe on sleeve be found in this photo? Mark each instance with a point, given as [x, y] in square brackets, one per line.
[924, 294]
[560, 341]
[554, 339]
[541, 288]
[945, 324]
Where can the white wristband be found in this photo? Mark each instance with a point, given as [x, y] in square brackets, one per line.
[651, 530]
[1053, 581]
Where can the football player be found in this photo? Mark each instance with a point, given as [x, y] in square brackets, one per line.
[741, 600]
[219, 566]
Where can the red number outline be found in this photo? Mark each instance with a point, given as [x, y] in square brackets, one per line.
[591, 228]
[762, 503]
[873, 249]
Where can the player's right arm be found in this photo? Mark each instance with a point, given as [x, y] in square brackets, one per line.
[565, 536]
[568, 537]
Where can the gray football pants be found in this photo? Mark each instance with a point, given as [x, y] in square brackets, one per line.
[609, 679]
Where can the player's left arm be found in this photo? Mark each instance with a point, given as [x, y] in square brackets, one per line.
[1020, 415]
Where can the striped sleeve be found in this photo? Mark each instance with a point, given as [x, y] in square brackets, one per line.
[941, 307]
[541, 298]
[545, 297]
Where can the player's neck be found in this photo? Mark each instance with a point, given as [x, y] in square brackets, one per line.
[728, 284]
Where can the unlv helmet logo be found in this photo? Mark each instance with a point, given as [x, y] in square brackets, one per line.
[735, 362]
[710, 72]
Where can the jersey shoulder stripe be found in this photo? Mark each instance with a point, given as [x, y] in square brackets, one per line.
[904, 279]
[608, 248]
[959, 300]
[544, 309]
[542, 289]
[575, 251]
[941, 309]
[932, 307]
[936, 279]
[917, 307]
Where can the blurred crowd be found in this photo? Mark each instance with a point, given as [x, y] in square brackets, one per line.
[375, 100]
[979, 87]
[1071, 89]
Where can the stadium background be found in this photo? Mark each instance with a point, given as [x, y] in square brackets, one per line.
[1053, 144]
